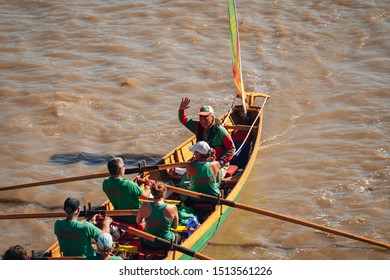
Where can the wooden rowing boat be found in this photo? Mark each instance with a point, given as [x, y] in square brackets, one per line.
[244, 123]
[246, 134]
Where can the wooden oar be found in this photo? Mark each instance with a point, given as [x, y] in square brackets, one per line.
[139, 169]
[276, 215]
[169, 201]
[157, 239]
[112, 213]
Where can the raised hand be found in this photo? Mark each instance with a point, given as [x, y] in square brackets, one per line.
[185, 103]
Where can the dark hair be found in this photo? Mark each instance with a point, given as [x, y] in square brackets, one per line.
[71, 205]
[16, 252]
[113, 165]
[210, 155]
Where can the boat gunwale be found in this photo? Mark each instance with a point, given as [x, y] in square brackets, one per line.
[202, 235]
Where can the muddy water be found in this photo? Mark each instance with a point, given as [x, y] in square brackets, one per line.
[81, 81]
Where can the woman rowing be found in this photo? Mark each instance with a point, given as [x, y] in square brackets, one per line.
[159, 216]
[204, 173]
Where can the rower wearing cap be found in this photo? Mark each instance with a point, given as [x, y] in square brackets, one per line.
[74, 236]
[104, 247]
[204, 173]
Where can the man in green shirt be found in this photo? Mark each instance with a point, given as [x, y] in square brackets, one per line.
[74, 236]
[123, 193]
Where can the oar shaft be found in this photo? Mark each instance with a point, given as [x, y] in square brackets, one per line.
[164, 166]
[94, 176]
[116, 213]
[277, 216]
[31, 215]
[112, 213]
[55, 181]
[310, 224]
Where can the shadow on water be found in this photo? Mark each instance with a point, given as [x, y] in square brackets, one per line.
[95, 159]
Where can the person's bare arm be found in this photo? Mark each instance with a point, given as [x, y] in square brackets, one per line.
[106, 224]
[146, 193]
[175, 218]
[215, 167]
[143, 212]
[172, 214]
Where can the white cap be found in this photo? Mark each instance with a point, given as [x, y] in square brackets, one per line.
[180, 171]
[201, 147]
[104, 241]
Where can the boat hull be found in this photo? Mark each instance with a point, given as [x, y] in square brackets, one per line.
[234, 121]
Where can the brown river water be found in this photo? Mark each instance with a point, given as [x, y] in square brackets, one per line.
[81, 81]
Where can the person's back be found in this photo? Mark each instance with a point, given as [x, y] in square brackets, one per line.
[123, 193]
[203, 173]
[204, 181]
[159, 216]
[74, 237]
[157, 224]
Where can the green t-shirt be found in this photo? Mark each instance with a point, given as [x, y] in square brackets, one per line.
[74, 237]
[123, 195]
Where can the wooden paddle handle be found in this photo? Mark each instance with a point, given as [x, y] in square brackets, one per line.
[94, 176]
[113, 213]
[177, 247]
[278, 216]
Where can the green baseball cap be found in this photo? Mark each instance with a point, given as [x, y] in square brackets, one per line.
[206, 110]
